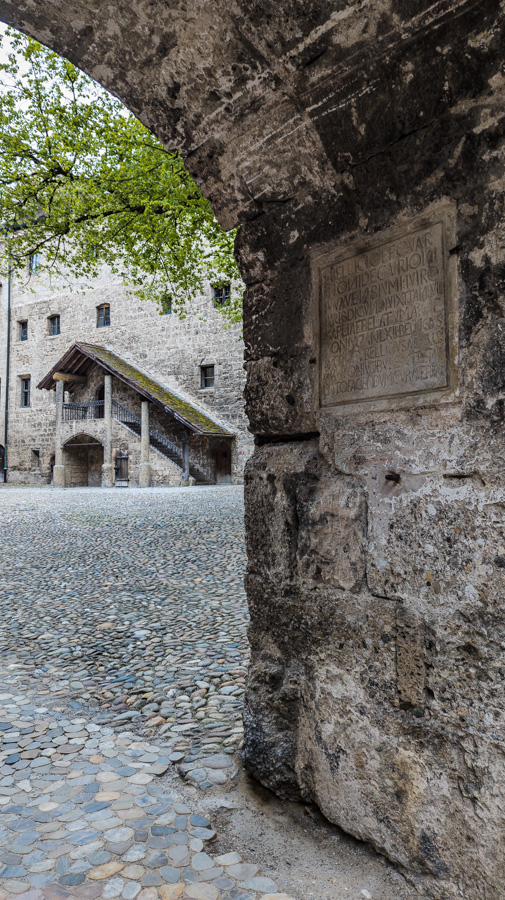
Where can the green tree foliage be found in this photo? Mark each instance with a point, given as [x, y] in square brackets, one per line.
[83, 183]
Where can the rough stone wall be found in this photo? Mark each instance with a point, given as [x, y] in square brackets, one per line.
[170, 349]
[375, 532]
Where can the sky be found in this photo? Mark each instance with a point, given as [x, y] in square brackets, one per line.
[3, 48]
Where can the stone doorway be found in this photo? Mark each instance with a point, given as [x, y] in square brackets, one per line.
[121, 470]
[223, 463]
[83, 461]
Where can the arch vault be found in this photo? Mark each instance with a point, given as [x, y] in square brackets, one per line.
[362, 148]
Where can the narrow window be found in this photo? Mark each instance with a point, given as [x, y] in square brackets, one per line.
[54, 325]
[207, 376]
[103, 315]
[34, 262]
[166, 305]
[35, 459]
[23, 331]
[222, 295]
[25, 392]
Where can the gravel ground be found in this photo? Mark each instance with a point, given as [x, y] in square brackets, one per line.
[122, 662]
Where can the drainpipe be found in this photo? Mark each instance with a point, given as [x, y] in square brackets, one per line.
[7, 370]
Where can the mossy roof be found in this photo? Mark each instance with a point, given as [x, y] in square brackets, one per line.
[77, 360]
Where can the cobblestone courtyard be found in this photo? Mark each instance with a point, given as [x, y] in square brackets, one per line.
[123, 662]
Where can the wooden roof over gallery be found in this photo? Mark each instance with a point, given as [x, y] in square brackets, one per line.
[81, 358]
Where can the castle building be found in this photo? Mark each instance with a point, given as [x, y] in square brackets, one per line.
[100, 389]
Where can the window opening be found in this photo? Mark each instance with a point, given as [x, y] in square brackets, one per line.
[222, 295]
[23, 331]
[100, 396]
[35, 459]
[25, 392]
[54, 325]
[34, 262]
[103, 315]
[207, 376]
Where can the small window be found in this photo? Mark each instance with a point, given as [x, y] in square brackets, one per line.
[166, 305]
[25, 392]
[207, 376]
[103, 315]
[23, 331]
[35, 459]
[54, 325]
[222, 295]
[34, 262]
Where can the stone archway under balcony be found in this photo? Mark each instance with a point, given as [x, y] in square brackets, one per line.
[82, 461]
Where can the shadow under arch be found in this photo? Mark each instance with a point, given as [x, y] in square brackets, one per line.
[83, 461]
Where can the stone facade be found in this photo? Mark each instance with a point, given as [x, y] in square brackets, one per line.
[169, 349]
[376, 525]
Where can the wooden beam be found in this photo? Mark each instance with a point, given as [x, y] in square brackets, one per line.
[65, 376]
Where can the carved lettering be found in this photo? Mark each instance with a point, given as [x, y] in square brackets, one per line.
[383, 321]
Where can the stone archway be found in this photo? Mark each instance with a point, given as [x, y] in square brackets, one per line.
[83, 461]
[373, 500]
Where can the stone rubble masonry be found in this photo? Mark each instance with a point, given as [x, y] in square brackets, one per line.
[375, 530]
[168, 348]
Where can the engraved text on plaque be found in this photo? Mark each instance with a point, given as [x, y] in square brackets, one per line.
[383, 320]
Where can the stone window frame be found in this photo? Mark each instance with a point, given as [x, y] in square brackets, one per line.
[54, 325]
[25, 398]
[206, 375]
[103, 315]
[23, 329]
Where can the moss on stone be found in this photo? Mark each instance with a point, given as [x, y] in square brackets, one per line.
[147, 387]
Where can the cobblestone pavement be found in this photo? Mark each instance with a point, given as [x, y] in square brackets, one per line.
[134, 601]
[122, 639]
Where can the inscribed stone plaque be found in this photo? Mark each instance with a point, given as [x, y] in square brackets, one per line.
[383, 325]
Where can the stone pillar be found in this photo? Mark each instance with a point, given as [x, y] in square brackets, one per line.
[107, 468]
[59, 469]
[185, 459]
[145, 468]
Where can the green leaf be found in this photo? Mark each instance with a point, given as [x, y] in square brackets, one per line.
[84, 183]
